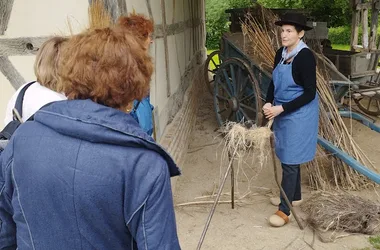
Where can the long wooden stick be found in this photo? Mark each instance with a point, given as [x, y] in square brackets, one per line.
[215, 202]
[279, 185]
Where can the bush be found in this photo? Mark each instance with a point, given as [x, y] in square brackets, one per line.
[340, 35]
[217, 20]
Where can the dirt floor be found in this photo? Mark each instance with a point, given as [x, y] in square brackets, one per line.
[246, 226]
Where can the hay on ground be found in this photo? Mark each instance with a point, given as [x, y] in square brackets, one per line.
[342, 212]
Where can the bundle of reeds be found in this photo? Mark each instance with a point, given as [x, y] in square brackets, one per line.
[325, 171]
[98, 15]
[342, 212]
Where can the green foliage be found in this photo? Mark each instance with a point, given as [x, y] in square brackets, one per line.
[288, 4]
[239, 3]
[375, 241]
[217, 19]
[335, 13]
[341, 47]
[340, 35]
[216, 22]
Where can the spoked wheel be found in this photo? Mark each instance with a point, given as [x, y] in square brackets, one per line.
[212, 64]
[369, 104]
[236, 93]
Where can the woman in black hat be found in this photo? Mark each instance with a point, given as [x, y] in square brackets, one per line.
[293, 104]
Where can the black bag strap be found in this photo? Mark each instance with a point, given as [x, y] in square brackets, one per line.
[20, 99]
[136, 106]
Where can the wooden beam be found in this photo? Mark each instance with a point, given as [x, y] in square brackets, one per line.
[149, 6]
[374, 24]
[10, 72]
[21, 45]
[5, 14]
[166, 45]
[355, 24]
[29, 45]
[363, 6]
[365, 28]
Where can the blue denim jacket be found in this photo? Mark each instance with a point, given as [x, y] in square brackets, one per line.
[85, 176]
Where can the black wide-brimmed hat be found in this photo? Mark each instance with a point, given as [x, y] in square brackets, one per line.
[295, 19]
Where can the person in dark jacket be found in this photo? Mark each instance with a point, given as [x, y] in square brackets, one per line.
[293, 104]
[83, 174]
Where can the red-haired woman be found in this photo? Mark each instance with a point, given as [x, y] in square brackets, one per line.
[142, 28]
[83, 174]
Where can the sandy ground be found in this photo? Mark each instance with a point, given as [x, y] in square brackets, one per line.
[246, 226]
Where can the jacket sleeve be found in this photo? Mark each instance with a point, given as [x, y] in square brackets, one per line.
[7, 225]
[153, 226]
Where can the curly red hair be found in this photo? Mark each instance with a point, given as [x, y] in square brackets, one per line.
[140, 25]
[107, 66]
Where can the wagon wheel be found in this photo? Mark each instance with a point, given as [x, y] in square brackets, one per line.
[212, 64]
[369, 104]
[236, 93]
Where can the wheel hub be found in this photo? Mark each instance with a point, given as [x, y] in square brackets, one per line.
[233, 104]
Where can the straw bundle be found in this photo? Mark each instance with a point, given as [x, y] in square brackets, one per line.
[342, 212]
[325, 171]
[98, 15]
[243, 142]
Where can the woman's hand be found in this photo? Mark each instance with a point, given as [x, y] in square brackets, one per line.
[267, 105]
[273, 111]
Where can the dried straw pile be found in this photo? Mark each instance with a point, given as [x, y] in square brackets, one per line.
[240, 140]
[249, 146]
[325, 171]
[342, 212]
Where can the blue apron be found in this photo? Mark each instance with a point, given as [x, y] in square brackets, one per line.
[296, 132]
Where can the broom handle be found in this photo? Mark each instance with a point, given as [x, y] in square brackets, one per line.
[270, 123]
[230, 166]
[278, 184]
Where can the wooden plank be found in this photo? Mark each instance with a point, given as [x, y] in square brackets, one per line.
[166, 47]
[29, 45]
[363, 6]
[10, 72]
[5, 14]
[368, 93]
[369, 89]
[21, 45]
[149, 6]
[365, 28]
[355, 24]
[374, 24]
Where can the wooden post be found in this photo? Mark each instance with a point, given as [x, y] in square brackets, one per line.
[365, 28]
[5, 14]
[374, 24]
[355, 24]
[10, 72]
[166, 45]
